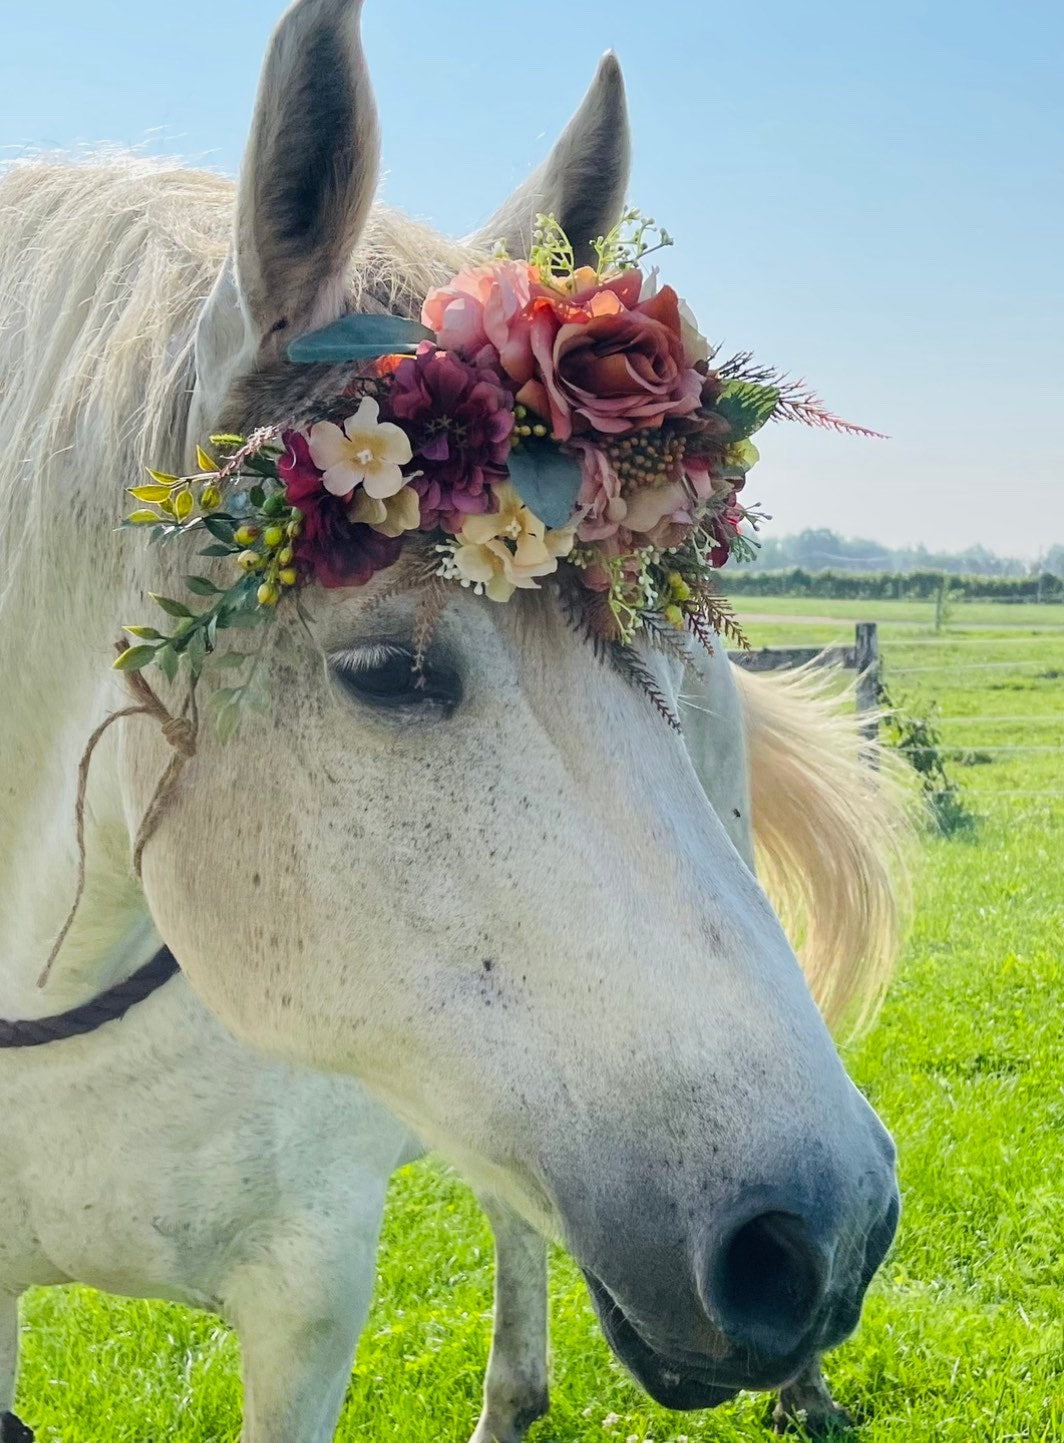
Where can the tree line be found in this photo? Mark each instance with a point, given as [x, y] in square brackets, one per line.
[920, 585]
[820, 550]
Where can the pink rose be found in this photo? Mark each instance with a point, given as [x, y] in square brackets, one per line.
[477, 310]
[599, 500]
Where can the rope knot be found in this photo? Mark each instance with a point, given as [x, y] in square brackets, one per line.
[180, 732]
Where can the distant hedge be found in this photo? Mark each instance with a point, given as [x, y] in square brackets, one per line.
[891, 585]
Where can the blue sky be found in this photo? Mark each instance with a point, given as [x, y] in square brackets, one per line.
[868, 195]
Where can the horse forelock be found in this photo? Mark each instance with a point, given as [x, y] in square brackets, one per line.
[105, 265]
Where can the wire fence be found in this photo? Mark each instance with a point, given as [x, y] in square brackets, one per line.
[976, 666]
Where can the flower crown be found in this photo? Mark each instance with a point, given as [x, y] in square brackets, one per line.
[545, 419]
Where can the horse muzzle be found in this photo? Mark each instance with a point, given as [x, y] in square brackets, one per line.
[770, 1300]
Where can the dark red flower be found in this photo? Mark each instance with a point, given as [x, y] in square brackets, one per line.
[724, 528]
[459, 419]
[331, 549]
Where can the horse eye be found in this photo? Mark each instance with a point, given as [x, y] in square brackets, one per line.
[384, 676]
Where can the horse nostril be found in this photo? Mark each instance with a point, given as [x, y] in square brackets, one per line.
[767, 1283]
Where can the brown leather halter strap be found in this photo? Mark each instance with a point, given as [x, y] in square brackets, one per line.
[110, 1006]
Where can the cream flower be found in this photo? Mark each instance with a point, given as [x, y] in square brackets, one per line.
[391, 517]
[509, 549]
[368, 452]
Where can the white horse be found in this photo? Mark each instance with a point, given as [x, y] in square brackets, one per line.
[497, 916]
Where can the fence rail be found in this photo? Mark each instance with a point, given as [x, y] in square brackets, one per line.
[862, 657]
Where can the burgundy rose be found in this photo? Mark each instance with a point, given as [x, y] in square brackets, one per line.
[460, 419]
[331, 549]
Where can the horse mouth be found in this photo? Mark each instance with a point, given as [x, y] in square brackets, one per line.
[683, 1386]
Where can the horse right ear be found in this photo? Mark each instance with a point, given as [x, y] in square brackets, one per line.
[306, 185]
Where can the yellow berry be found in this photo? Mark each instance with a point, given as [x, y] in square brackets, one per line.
[294, 529]
[268, 594]
[273, 536]
[245, 535]
[249, 561]
[287, 576]
[674, 616]
[539, 430]
[285, 556]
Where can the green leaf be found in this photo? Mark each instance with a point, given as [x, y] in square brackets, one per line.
[169, 661]
[746, 407]
[143, 518]
[230, 659]
[220, 550]
[547, 481]
[150, 493]
[197, 651]
[169, 605]
[202, 586]
[244, 620]
[229, 441]
[227, 721]
[256, 496]
[221, 528]
[144, 633]
[134, 658]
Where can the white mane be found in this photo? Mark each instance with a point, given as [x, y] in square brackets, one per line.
[104, 269]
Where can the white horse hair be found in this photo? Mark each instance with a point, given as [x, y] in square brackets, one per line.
[521, 934]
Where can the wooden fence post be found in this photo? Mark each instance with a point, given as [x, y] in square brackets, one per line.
[866, 661]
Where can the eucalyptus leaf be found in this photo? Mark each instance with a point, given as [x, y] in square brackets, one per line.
[229, 660]
[547, 481]
[359, 338]
[219, 550]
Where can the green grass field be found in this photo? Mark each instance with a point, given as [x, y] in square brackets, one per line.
[963, 1335]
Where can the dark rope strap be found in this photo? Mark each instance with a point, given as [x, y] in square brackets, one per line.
[110, 1006]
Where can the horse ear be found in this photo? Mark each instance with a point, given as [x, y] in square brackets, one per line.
[584, 180]
[306, 185]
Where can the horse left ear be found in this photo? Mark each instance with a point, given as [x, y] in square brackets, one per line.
[306, 185]
[584, 180]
